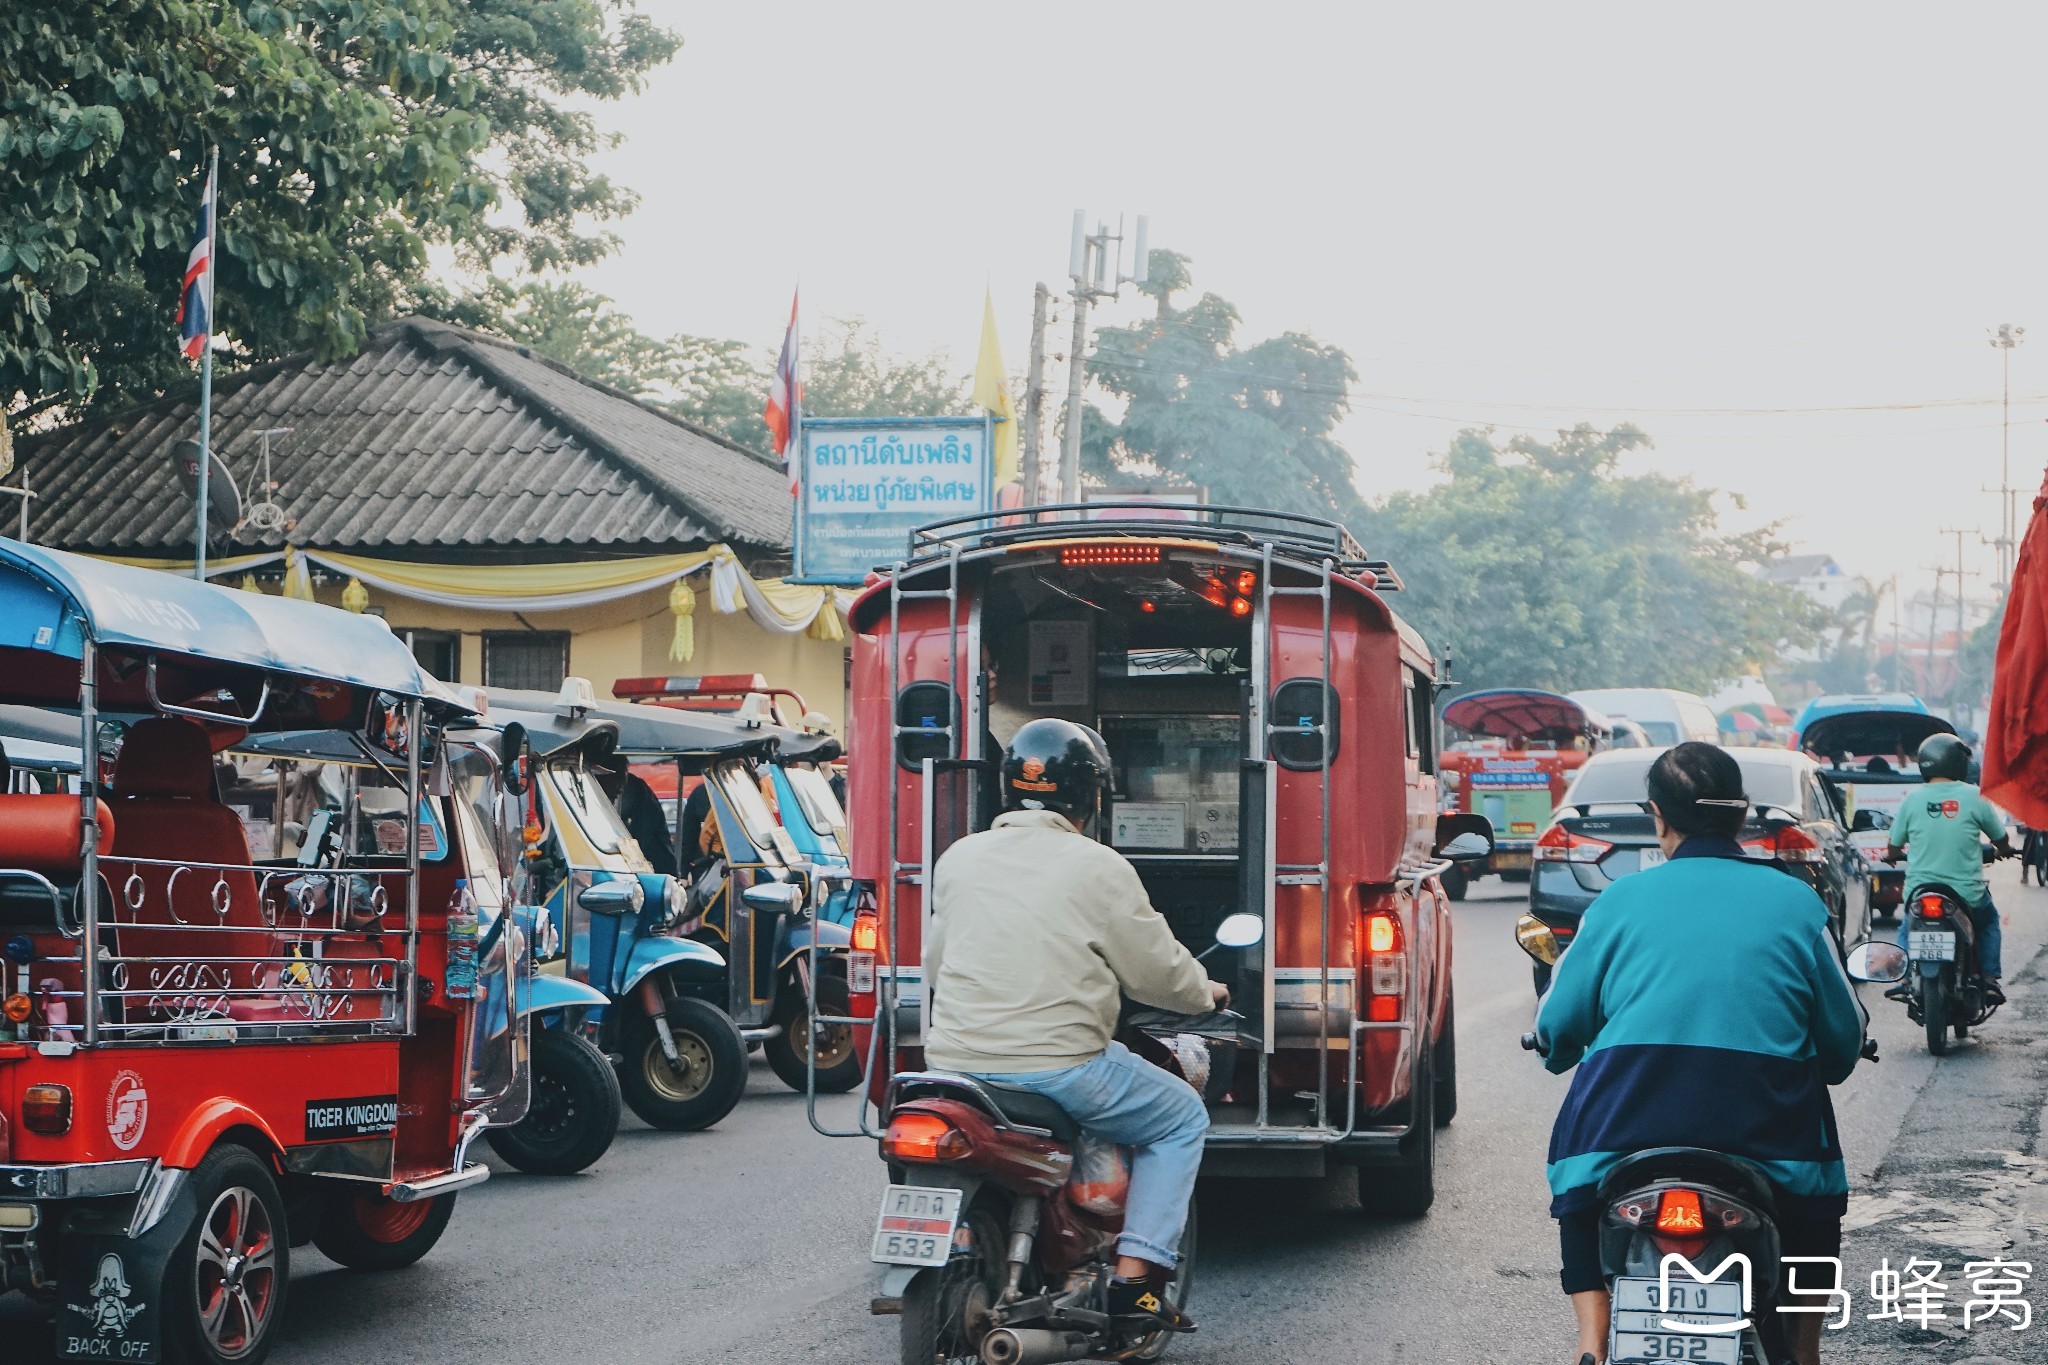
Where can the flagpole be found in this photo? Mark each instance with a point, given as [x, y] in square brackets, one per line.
[206, 367]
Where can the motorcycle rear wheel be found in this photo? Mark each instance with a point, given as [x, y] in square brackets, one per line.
[1934, 1009]
[941, 1303]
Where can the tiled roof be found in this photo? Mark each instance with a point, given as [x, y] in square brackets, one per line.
[434, 442]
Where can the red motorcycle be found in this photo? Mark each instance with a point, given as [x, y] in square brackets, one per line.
[1004, 1218]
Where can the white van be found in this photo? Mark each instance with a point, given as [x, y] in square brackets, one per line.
[1666, 716]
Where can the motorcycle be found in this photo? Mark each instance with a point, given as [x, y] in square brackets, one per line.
[1938, 952]
[1000, 1220]
[1711, 1208]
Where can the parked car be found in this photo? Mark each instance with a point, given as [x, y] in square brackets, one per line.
[1603, 832]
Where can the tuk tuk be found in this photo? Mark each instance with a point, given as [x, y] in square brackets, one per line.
[1270, 722]
[212, 1057]
[1511, 752]
[806, 803]
[1867, 749]
[707, 960]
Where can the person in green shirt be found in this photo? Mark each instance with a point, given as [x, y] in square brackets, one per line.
[1936, 832]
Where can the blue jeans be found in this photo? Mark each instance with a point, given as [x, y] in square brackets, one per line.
[1121, 1098]
[1990, 935]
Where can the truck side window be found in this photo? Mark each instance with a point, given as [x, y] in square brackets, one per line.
[1298, 717]
[1421, 721]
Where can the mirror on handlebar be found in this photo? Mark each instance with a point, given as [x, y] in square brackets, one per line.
[1538, 940]
[620, 896]
[1877, 961]
[774, 896]
[1240, 931]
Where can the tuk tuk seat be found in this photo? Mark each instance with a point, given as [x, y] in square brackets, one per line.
[165, 808]
[39, 834]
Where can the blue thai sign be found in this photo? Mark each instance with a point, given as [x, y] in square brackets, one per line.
[866, 484]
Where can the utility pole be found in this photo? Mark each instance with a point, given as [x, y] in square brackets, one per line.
[1034, 398]
[2006, 337]
[1956, 676]
[1095, 264]
[1926, 682]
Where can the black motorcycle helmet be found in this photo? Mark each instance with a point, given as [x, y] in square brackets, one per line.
[1055, 765]
[1944, 756]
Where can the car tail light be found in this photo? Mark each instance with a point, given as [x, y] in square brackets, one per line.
[867, 932]
[46, 1109]
[1788, 845]
[924, 1137]
[1933, 907]
[1560, 845]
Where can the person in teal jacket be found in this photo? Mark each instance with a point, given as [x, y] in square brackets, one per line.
[1703, 1004]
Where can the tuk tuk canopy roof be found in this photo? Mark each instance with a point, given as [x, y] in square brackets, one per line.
[643, 730]
[1508, 712]
[52, 601]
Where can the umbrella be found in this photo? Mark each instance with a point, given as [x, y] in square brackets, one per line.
[1741, 721]
[1764, 711]
[2016, 734]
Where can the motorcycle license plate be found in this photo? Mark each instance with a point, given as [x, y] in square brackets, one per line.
[1931, 946]
[1643, 1307]
[916, 1225]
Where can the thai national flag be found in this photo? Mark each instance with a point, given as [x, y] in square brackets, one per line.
[784, 412]
[195, 304]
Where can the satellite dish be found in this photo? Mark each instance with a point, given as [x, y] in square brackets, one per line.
[224, 499]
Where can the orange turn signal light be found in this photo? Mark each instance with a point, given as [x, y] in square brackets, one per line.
[1246, 581]
[867, 934]
[924, 1137]
[1680, 1214]
[1240, 607]
[46, 1109]
[16, 1008]
[1381, 934]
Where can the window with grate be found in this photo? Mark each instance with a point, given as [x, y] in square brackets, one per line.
[535, 659]
[438, 651]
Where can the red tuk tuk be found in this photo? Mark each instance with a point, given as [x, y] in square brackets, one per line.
[209, 1056]
[1510, 753]
[1269, 719]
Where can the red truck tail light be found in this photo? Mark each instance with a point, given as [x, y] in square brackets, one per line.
[865, 942]
[46, 1109]
[1788, 845]
[1115, 552]
[1560, 845]
[1386, 967]
[924, 1137]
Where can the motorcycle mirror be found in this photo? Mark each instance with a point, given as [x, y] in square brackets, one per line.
[515, 758]
[1538, 940]
[774, 896]
[621, 896]
[1466, 848]
[1240, 931]
[1882, 962]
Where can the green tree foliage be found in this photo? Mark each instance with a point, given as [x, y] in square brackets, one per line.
[1542, 564]
[847, 373]
[1252, 424]
[354, 135]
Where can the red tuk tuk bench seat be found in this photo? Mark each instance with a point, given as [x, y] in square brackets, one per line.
[39, 835]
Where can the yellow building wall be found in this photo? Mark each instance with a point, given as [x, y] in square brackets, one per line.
[630, 638]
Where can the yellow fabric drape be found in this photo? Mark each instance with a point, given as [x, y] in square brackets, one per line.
[992, 391]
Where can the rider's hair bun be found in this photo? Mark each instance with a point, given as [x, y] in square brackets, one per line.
[1697, 788]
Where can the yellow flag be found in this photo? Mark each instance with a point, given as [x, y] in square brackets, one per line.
[991, 392]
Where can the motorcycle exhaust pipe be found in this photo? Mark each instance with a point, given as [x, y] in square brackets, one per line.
[1033, 1346]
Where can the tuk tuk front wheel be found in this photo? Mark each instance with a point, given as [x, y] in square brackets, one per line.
[788, 1051]
[368, 1231]
[574, 1111]
[224, 1289]
[707, 1085]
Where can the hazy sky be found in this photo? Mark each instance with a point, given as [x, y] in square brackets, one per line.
[1519, 215]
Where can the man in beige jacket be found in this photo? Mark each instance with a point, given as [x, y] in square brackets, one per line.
[1037, 930]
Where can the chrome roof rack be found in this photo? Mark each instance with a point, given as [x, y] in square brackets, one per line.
[1313, 538]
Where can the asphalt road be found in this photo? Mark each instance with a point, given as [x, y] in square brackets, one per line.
[748, 1243]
